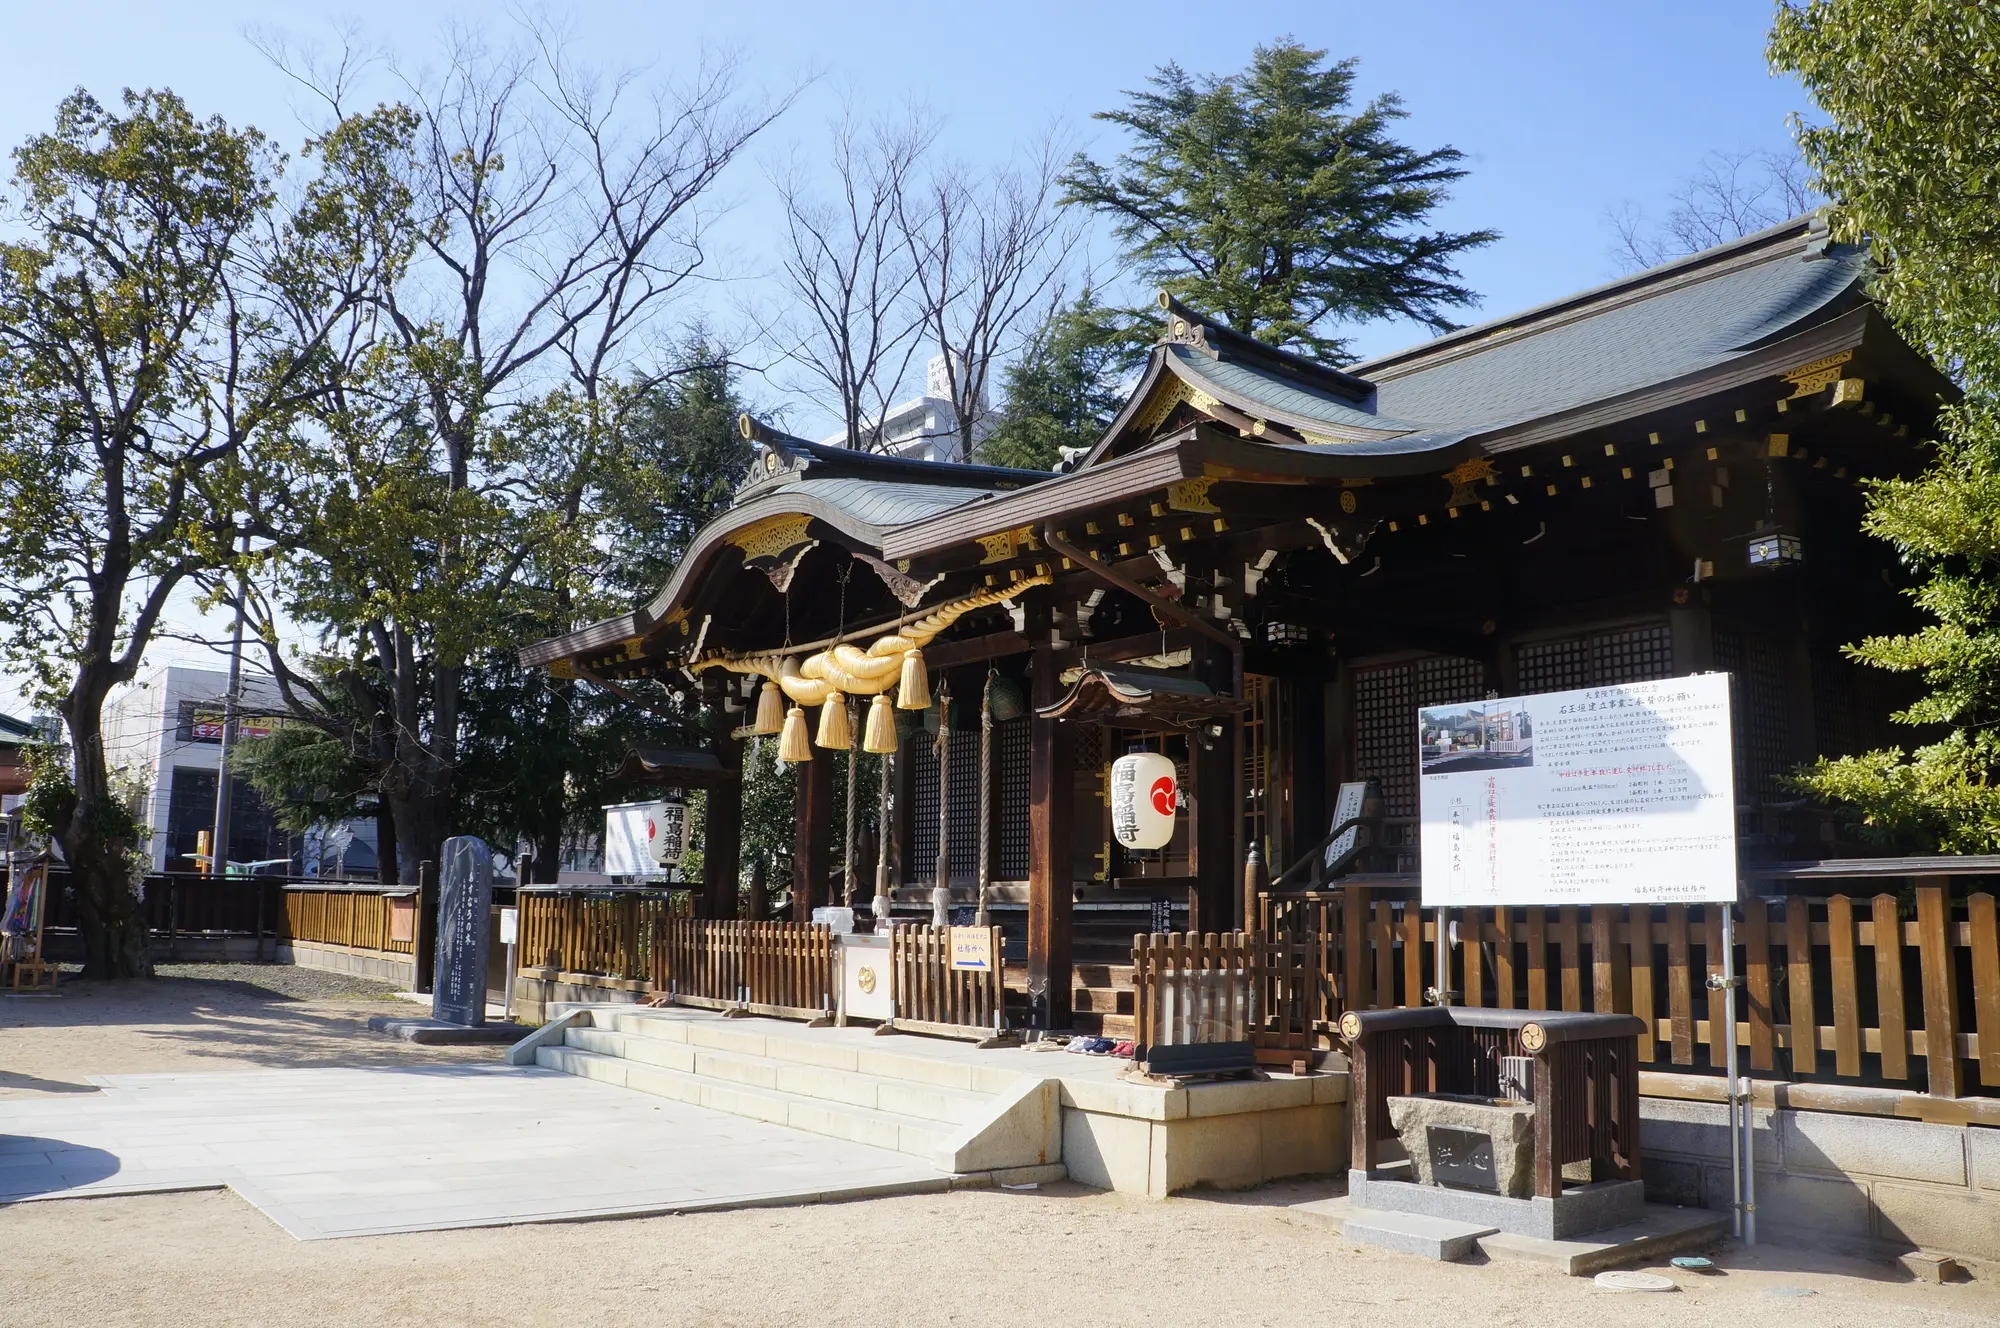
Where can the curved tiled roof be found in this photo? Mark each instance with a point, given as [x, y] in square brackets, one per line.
[1593, 354]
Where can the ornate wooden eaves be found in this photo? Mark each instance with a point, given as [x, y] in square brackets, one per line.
[1136, 696]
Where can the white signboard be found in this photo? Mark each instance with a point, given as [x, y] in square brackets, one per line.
[628, 834]
[1606, 795]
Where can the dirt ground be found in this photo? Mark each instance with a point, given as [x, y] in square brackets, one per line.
[1058, 1255]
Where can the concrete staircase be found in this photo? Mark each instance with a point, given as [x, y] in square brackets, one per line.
[962, 1118]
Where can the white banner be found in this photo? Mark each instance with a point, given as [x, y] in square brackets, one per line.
[1605, 795]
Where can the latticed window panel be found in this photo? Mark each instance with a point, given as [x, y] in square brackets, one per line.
[1760, 708]
[1010, 805]
[1010, 808]
[1386, 699]
[1604, 659]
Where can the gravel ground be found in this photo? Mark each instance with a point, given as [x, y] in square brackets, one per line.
[1057, 1255]
[201, 1017]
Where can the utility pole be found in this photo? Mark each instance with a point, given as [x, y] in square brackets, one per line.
[218, 862]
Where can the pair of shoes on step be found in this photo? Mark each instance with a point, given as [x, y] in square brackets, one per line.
[1097, 1046]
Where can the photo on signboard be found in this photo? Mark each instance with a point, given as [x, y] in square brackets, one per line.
[1484, 735]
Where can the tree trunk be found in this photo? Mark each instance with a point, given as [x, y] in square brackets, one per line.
[385, 843]
[548, 850]
[111, 918]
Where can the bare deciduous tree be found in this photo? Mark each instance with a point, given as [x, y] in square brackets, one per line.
[1731, 194]
[551, 214]
[847, 264]
[990, 256]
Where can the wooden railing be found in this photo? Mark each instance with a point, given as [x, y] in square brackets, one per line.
[930, 996]
[1847, 988]
[1228, 987]
[1192, 989]
[605, 935]
[362, 919]
[776, 968]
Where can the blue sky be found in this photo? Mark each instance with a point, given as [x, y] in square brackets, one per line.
[1564, 110]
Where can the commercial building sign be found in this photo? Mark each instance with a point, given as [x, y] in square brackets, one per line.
[201, 721]
[1604, 795]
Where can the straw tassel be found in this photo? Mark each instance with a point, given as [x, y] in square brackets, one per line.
[835, 733]
[792, 744]
[770, 710]
[915, 691]
[880, 735]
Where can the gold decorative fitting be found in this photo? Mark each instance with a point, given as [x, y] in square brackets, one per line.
[1350, 1026]
[1653, 438]
[1158, 509]
[1125, 519]
[1586, 481]
[771, 537]
[999, 546]
[1512, 501]
[1611, 449]
[1701, 426]
[1568, 461]
[1091, 528]
[1714, 454]
[1348, 502]
[1485, 506]
[1422, 519]
[1192, 495]
[1816, 376]
[1220, 525]
[1393, 527]
[1742, 417]
[1187, 532]
[1625, 472]
[1784, 406]
[562, 668]
[1533, 1037]
[1552, 491]
[1462, 477]
[1527, 471]
[1451, 512]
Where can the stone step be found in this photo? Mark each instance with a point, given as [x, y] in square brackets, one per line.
[926, 1139]
[776, 1041]
[920, 1101]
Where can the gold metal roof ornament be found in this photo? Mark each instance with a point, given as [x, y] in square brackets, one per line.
[847, 668]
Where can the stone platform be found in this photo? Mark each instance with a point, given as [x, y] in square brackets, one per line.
[1579, 1211]
[1658, 1232]
[944, 1101]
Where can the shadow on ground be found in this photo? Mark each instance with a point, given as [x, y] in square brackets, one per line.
[31, 1165]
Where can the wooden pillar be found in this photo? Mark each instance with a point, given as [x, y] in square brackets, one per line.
[1217, 872]
[1051, 795]
[722, 832]
[812, 835]
[423, 944]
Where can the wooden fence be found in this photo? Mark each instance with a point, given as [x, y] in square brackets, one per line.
[1225, 987]
[1846, 988]
[362, 919]
[605, 935]
[930, 996]
[776, 968]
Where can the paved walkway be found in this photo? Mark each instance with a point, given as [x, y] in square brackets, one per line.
[353, 1152]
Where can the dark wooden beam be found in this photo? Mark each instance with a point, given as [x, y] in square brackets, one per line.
[994, 645]
[1211, 836]
[1051, 891]
[722, 830]
[812, 836]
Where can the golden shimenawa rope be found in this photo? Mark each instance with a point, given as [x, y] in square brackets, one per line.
[847, 668]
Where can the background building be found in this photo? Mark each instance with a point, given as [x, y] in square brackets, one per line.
[925, 428]
[165, 731]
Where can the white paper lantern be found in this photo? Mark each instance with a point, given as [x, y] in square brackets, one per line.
[667, 832]
[1144, 794]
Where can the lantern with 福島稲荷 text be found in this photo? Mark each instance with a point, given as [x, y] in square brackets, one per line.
[1144, 794]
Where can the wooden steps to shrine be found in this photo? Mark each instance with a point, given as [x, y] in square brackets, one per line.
[963, 1118]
